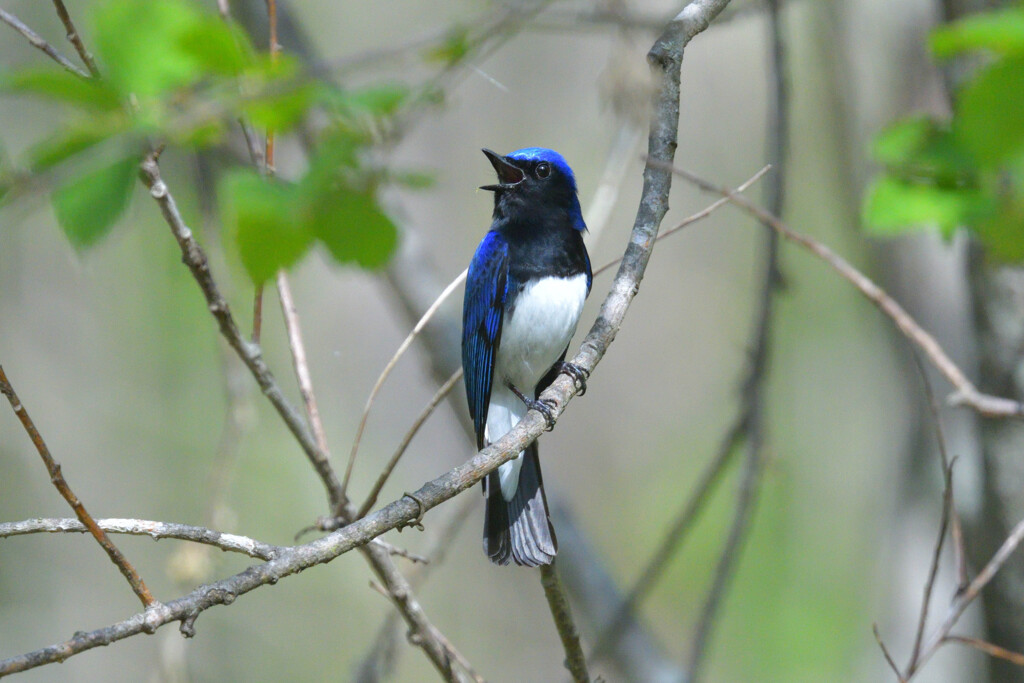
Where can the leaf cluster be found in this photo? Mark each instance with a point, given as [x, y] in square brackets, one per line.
[969, 170]
[174, 73]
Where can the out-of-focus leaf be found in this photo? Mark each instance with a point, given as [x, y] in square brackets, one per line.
[151, 46]
[284, 105]
[220, 47]
[378, 100]
[1001, 32]
[416, 180]
[1003, 233]
[336, 158]
[87, 93]
[56, 149]
[353, 228]
[989, 117]
[893, 206]
[267, 222]
[454, 48]
[89, 205]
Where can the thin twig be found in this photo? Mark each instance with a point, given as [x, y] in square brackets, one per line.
[145, 527]
[75, 39]
[988, 648]
[575, 660]
[134, 580]
[962, 600]
[298, 350]
[948, 510]
[406, 343]
[966, 393]
[39, 42]
[745, 501]
[885, 653]
[439, 396]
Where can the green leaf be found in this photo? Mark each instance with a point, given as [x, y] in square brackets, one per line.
[1003, 233]
[414, 180]
[894, 205]
[353, 228]
[59, 147]
[152, 46]
[63, 86]
[283, 106]
[989, 116]
[1001, 32]
[89, 205]
[266, 218]
[455, 46]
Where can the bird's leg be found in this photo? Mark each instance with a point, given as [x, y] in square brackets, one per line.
[542, 406]
[578, 374]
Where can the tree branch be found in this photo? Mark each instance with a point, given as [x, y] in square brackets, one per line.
[575, 661]
[39, 42]
[119, 560]
[966, 393]
[75, 39]
[144, 527]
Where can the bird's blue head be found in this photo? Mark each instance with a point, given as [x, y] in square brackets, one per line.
[535, 179]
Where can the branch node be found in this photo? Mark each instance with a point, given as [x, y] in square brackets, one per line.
[422, 510]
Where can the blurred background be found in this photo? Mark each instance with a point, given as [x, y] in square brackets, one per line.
[113, 353]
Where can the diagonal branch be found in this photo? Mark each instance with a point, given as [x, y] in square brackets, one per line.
[966, 393]
[75, 39]
[134, 580]
[39, 42]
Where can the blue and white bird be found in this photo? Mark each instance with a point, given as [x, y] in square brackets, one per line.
[524, 295]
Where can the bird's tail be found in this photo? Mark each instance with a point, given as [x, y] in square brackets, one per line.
[519, 530]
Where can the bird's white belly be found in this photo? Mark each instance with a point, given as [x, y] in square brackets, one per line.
[532, 340]
[541, 325]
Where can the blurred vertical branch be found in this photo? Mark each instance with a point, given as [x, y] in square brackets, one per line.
[748, 426]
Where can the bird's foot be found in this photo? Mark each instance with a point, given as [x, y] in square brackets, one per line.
[542, 406]
[578, 374]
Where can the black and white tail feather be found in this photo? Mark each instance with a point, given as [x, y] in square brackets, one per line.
[519, 530]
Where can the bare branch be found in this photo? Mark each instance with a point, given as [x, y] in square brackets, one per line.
[119, 560]
[575, 661]
[250, 353]
[439, 396]
[885, 653]
[144, 527]
[75, 39]
[989, 649]
[402, 348]
[965, 598]
[298, 349]
[38, 42]
[966, 393]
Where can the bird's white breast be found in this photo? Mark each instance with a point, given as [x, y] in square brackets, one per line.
[542, 321]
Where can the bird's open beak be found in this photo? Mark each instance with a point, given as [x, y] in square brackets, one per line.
[508, 174]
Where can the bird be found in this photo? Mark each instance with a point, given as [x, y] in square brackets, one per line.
[525, 290]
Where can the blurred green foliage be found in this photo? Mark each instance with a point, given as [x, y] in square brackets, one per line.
[176, 74]
[968, 171]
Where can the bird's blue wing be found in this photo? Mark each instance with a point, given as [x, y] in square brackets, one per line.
[482, 311]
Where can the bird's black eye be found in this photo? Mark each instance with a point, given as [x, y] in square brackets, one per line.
[543, 169]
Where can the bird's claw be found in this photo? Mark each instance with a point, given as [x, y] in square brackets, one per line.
[544, 407]
[421, 510]
[578, 374]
